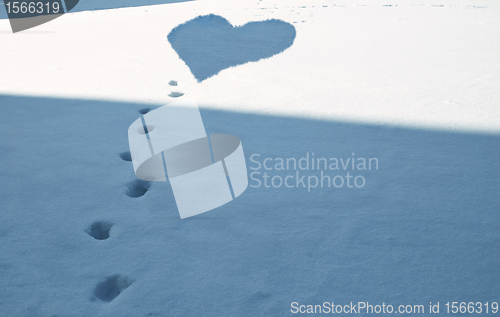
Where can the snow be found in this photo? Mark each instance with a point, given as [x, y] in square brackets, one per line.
[194, 42]
[416, 65]
[414, 84]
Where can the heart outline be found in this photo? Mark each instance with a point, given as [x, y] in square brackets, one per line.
[209, 44]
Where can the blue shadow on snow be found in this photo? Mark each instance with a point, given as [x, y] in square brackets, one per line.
[425, 227]
[209, 44]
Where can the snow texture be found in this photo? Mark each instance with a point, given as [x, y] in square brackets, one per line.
[414, 84]
[424, 228]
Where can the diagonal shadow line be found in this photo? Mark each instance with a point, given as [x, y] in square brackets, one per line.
[91, 5]
[429, 212]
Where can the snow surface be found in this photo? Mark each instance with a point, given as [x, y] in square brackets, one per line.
[413, 84]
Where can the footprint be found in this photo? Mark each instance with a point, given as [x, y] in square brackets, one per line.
[126, 156]
[99, 230]
[138, 188]
[110, 288]
[176, 94]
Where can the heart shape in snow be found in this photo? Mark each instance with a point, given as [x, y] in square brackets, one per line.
[209, 44]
